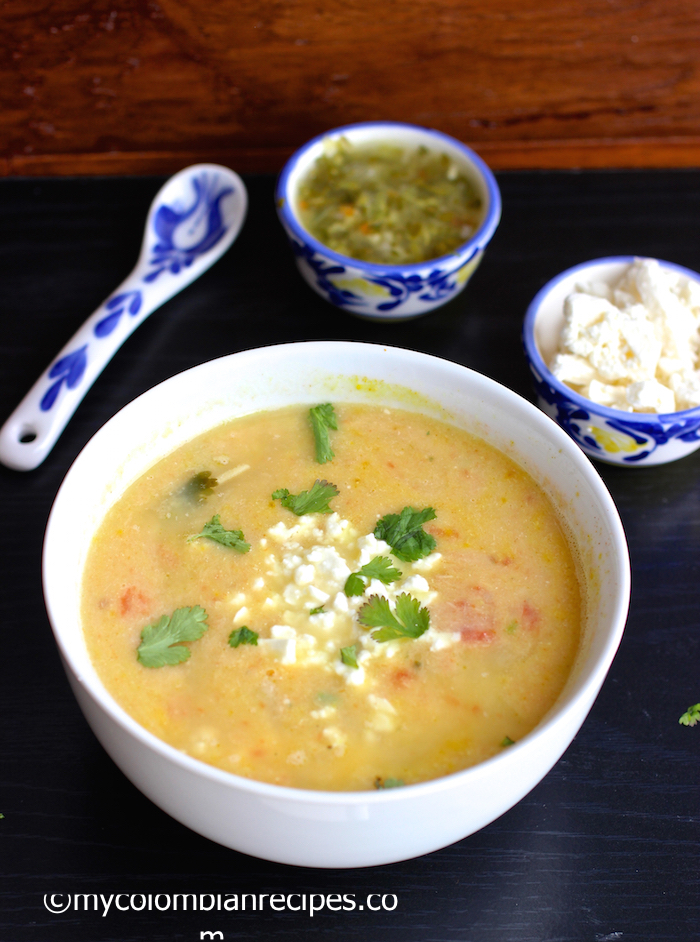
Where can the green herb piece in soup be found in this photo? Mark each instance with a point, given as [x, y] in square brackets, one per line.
[405, 534]
[408, 620]
[387, 204]
[380, 783]
[691, 715]
[200, 486]
[328, 699]
[322, 419]
[349, 655]
[313, 501]
[213, 530]
[507, 741]
[243, 635]
[317, 611]
[381, 567]
[162, 643]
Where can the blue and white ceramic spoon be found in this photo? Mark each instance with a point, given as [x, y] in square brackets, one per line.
[191, 223]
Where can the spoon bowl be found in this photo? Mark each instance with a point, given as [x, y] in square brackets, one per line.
[193, 220]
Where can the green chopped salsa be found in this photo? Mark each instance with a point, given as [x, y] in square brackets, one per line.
[387, 204]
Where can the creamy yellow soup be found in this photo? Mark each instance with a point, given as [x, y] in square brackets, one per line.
[287, 678]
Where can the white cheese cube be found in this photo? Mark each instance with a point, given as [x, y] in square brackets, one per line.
[686, 387]
[572, 369]
[415, 585]
[427, 563]
[336, 738]
[651, 396]
[304, 574]
[370, 547]
[375, 587]
[340, 602]
[607, 395]
[282, 649]
[292, 594]
[336, 526]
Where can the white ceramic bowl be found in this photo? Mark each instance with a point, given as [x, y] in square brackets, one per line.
[628, 439]
[386, 292]
[313, 828]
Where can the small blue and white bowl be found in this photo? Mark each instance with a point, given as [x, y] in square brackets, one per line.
[386, 292]
[628, 439]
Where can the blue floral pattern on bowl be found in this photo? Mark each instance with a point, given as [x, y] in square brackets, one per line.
[375, 291]
[383, 292]
[615, 440]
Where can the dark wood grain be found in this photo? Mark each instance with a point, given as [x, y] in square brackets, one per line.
[605, 848]
[143, 86]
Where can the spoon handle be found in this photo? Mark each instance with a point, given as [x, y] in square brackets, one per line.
[32, 429]
[193, 220]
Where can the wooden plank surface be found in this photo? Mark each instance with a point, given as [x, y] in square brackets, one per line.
[145, 86]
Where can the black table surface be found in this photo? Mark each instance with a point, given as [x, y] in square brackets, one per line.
[604, 848]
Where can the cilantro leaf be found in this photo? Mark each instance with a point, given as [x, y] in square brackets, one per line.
[381, 567]
[507, 741]
[185, 624]
[316, 611]
[691, 715]
[313, 501]
[354, 584]
[242, 635]
[323, 418]
[215, 531]
[200, 486]
[405, 535]
[380, 783]
[349, 655]
[408, 620]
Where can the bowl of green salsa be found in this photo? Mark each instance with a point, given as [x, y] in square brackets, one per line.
[387, 220]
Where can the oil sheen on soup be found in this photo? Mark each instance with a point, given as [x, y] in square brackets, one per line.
[346, 598]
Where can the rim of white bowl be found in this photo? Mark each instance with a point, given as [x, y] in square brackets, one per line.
[588, 683]
[479, 240]
[535, 356]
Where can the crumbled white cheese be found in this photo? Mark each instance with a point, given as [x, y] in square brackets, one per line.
[297, 758]
[323, 713]
[336, 739]
[427, 563]
[383, 719]
[633, 345]
[370, 547]
[304, 574]
[336, 527]
[310, 573]
[280, 648]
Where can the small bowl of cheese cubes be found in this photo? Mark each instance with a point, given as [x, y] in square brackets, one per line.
[614, 349]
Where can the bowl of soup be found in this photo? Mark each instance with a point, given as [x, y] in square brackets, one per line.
[387, 220]
[613, 347]
[326, 616]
